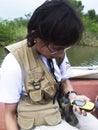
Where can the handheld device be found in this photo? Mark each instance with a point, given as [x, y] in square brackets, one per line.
[84, 105]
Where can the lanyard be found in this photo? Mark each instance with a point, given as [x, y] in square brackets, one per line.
[59, 90]
[50, 63]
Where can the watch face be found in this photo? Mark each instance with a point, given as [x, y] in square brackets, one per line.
[79, 103]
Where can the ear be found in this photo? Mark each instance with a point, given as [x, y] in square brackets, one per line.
[33, 31]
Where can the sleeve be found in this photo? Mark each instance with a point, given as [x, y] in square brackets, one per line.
[65, 68]
[10, 80]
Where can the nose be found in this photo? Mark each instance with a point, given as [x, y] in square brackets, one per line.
[59, 54]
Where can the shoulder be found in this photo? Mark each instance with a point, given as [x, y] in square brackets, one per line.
[16, 46]
[10, 79]
[10, 64]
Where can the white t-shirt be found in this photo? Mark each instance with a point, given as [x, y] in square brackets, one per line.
[11, 81]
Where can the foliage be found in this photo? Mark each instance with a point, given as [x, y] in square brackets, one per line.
[90, 20]
[15, 30]
[91, 14]
[12, 31]
[77, 5]
[90, 36]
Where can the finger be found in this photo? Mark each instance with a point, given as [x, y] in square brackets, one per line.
[83, 112]
[76, 109]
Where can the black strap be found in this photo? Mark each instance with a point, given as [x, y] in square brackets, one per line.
[51, 65]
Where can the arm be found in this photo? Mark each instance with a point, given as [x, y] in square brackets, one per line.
[66, 72]
[10, 117]
[68, 87]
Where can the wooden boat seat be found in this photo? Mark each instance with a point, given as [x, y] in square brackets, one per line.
[82, 86]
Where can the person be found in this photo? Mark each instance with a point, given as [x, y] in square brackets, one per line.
[27, 85]
[96, 101]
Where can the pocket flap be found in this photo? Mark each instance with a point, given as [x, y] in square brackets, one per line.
[53, 119]
[50, 89]
[35, 95]
[25, 123]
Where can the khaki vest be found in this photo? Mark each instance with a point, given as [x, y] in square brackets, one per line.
[37, 107]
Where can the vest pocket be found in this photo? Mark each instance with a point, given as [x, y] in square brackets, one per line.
[44, 95]
[31, 115]
[25, 123]
[50, 90]
[35, 96]
[53, 119]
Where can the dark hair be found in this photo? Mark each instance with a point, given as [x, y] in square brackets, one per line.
[55, 21]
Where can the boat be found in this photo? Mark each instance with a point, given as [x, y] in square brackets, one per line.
[85, 72]
[84, 80]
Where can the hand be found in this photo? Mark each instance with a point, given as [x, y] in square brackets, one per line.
[96, 98]
[96, 102]
[77, 109]
[81, 98]
[73, 97]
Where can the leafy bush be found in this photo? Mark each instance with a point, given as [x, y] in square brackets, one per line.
[11, 31]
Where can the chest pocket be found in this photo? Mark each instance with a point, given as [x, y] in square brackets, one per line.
[40, 87]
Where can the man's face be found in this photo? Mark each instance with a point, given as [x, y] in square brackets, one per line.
[49, 50]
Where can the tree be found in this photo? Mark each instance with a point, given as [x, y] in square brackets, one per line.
[91, 14]
[77, 5]
[28, 16]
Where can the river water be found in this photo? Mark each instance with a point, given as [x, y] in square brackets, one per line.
[83, 56]
[78, 56]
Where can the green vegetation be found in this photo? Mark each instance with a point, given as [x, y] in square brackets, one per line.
[16, 30]
[90, 20]
[90, 36]
[12, 31]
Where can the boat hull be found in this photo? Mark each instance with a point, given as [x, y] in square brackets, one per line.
[88, 87]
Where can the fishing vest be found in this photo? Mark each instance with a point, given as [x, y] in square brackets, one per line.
[37, 107]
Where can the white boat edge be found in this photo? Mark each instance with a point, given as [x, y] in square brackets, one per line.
[90, 72]
[85, 72]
